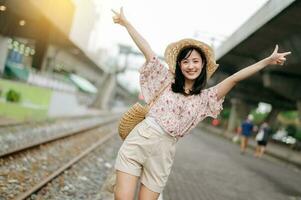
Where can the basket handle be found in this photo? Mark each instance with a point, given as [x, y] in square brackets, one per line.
[158, 94]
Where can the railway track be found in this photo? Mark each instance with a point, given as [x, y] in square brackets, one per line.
[24, 171]
[22, 137]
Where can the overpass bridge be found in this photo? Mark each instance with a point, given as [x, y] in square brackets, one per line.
[277, 22]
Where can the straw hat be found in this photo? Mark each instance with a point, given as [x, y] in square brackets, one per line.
[173, 49]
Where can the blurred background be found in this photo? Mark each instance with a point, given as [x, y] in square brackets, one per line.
[66, 58]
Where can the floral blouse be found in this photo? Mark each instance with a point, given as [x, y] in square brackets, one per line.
[176, 113]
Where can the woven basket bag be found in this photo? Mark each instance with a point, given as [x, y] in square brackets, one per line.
[134, 116]
[131, 118]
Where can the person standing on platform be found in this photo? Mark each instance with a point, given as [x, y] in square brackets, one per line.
[246, 133]
[262, 138]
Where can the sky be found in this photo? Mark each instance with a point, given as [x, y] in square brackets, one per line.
[161, 22]
[165, 21]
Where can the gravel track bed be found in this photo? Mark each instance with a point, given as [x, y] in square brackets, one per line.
[13, 138]
[21, 171]
[84, 179]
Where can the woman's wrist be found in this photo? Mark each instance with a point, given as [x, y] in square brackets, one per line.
[126, 24]
[267, 61]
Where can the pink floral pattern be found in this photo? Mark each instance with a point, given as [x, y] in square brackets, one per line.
[177, 114]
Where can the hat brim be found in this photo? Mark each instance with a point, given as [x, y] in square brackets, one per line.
[173, 49]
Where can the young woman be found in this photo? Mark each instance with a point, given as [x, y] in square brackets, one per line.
[262, 138]
[149, 150]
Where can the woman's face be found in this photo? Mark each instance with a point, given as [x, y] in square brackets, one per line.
[191, 66]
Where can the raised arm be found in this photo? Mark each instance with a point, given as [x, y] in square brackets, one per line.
[142, 44]
[274, 59]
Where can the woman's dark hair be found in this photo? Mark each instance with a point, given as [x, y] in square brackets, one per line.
[200, 81]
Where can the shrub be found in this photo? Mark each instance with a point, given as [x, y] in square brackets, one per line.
[298, 134]
[13, 96]
[291, 130]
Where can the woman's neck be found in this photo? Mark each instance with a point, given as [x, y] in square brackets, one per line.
[188, 84]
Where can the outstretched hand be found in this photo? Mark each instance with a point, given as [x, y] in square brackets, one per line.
[119, 17]
[277, 58]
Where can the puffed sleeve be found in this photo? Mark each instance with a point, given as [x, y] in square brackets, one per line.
[213, 106]
[153, 76]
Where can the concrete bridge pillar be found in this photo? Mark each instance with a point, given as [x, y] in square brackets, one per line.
[233, 115]
[3, 52]
[239, 112]
[271, 119]
[243, 111]
[106, 90]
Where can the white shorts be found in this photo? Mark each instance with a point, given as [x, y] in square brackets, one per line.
[149, 154]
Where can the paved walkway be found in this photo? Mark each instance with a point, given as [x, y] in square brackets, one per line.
[208, 167]
[273, 149]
